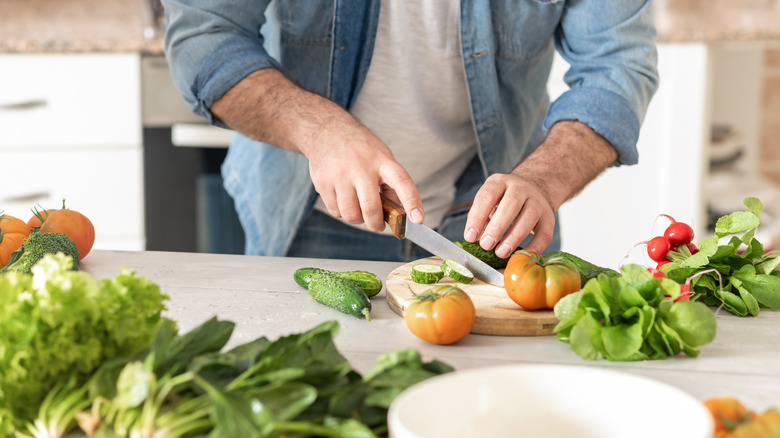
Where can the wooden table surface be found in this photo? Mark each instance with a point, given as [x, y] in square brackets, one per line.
[261, 297]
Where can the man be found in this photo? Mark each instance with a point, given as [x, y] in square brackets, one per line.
[440, 105]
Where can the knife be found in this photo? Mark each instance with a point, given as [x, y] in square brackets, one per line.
[438, 245]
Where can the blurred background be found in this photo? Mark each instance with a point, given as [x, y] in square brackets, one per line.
[88, 113]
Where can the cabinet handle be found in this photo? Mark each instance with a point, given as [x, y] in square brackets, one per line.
[28, 197]
[24, 105]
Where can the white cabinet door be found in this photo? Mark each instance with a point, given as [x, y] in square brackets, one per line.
[104, 185]
[70, 100]
[619, 208]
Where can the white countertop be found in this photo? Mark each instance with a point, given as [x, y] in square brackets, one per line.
[261, 297]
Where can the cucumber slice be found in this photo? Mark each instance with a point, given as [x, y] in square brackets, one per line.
[427, 273]
[456, 271]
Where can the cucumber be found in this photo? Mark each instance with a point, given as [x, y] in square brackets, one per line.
[426, 273]
[340, 294]
[586, 269]
[369, 282]
[487, 256]
[456, 271]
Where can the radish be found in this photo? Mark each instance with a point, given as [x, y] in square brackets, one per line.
[658, 247]
[679, 233]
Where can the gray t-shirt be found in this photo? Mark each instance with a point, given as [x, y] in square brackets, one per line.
[416, 100]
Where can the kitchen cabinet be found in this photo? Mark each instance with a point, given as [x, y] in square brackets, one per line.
[70, 127]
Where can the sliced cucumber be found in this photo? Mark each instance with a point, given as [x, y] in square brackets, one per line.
[427, 273]
[456, 271]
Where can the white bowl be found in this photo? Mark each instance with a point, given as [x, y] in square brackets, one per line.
[546, 401]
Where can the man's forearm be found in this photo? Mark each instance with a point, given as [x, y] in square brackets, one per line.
[570, 157]
[268, 107]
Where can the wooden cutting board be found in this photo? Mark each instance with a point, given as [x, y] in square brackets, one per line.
[497, 314]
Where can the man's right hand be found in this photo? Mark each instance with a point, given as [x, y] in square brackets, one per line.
[348, 164]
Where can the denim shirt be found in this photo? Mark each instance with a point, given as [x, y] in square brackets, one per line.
[325, 46]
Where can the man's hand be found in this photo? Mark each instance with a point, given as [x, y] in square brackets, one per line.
[510, 206]
[348, 164]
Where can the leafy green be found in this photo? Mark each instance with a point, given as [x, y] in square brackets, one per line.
[736, 274]
[632, 317]
[297, 385]
[57, 324]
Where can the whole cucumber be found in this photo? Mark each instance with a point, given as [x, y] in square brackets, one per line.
[487, 256]
[369, 282]
[340, 294]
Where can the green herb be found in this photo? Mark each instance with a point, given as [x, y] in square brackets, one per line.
[632, 317]
[741, 278]
[297, 385]
[57, 324]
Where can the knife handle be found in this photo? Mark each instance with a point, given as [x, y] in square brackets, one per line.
[395, 216]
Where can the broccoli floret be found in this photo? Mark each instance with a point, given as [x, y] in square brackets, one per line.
[37, 245]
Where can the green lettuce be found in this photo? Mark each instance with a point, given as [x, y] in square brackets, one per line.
[57, 324]
[633, 317]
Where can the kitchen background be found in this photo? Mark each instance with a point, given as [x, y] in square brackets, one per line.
[88, 113]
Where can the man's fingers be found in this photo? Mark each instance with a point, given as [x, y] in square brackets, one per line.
[349, 205]
[371, 207]
[543, 234]
[400, 181]
[329, 199]
[484, 207]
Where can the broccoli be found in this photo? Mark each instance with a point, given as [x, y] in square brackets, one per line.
[35, 246]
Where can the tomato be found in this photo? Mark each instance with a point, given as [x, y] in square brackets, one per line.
[12, 234]
[36, 219]
[534, 282]
[441, 315]
[74, 224]
[728, 413]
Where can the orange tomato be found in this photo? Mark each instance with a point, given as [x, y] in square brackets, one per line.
[12, 234]
[534, 282]
[35, 221]
[74, 224]
[441, 315]
[728, 413]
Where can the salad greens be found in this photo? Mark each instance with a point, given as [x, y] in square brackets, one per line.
[59, 325]
[738, 274]
[633, 317]
[184, 385]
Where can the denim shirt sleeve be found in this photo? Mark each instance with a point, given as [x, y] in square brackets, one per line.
[611, 49]
[208, 53]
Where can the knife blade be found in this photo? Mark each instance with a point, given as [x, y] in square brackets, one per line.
[438, 245]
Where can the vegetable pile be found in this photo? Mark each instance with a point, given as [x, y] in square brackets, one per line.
[96, 356]
[635, 316]
[58, 324]
[737, 275]
[46, 232]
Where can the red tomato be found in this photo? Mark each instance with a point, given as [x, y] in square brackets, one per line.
[75, 225]
[441, 315]
[534, 282]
